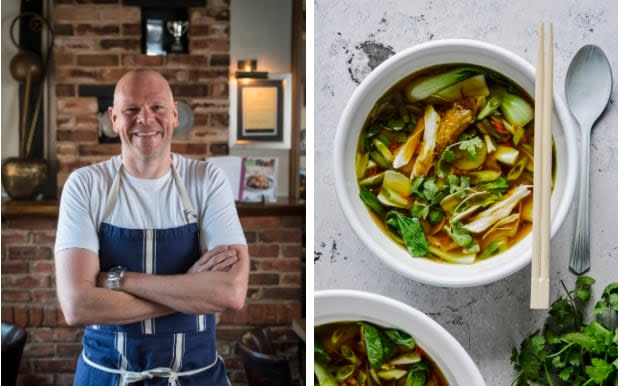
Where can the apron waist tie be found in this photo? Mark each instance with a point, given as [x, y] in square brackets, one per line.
[127, 376]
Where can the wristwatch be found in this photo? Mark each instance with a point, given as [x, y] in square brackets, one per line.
[114, 276]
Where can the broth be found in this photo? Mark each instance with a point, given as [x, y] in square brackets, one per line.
[363, 353]
[445, 163]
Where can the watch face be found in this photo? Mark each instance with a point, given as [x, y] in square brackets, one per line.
[116, 272]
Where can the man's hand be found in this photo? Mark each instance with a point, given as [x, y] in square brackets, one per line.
[220, 258]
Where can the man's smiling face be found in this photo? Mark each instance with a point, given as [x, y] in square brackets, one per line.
[144, 115]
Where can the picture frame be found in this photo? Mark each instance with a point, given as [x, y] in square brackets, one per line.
[260, 110]
[284, 112]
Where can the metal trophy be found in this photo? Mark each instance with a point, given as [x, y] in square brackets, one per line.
[177, 28]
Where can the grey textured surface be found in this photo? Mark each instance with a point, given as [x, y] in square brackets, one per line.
[352, 38]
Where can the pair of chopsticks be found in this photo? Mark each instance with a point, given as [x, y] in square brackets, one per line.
[539, 288]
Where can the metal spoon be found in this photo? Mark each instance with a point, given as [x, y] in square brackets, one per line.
[588, 87]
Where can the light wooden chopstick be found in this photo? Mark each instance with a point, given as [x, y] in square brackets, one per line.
[541, 216]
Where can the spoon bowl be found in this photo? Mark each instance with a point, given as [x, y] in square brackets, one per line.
[588, 87]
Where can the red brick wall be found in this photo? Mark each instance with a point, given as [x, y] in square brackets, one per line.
[96, 42]
[29, 299]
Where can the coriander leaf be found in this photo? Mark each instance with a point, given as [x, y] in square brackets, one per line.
[460, 235]
[500, 183]
[320, 354]
[586, 342]
[470, 145]
[446, 157]
[599, 370]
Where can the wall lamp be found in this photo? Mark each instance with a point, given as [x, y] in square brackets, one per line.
[246, 68]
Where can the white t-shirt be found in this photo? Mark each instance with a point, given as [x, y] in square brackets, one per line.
[147, 204]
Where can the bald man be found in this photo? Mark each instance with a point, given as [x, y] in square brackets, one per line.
[148, 247]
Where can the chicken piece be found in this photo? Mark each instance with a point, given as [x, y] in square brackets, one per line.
[498, 210]
[453, 123]
[424, 161]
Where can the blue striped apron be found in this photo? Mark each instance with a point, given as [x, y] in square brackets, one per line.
[176, 349]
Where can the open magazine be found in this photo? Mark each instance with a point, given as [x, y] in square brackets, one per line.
[253, 179]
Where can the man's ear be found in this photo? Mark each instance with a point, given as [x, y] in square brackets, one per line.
[113, 117]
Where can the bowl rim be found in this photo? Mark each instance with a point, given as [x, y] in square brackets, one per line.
[444, 345]
[448, 275]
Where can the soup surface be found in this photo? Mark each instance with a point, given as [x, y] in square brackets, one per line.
[362, 353]
[445, 163]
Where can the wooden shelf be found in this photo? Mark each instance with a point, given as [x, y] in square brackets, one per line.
[49, 208]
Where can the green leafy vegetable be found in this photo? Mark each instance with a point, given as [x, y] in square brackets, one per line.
[570, 351]
[371, 201]
[412, 234]
[427, 86]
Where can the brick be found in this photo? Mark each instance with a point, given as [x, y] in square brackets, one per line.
[263, 250]
[20, 281]
[263, 279]
[219, 149]
[34, 223]
[75, 44]
[187, 60]
[76, 76]
[219, 30]
[35, 316]
[97, 60]
[97, 29]
[200, 30]
[281, 235]
[279, 265]
[14, 236]
[190, 90]
[190, 148]
[143, 60]
[112, 75]
[293, 251]
[68, 13]
[260, 222]
[209, 45]
[283, 293]
[65, 90]
[63, 59]
[15, 296]
[81, 136]
[66, 149]
[20, 315]
[7, 314]
[108, 149]
[219, 90]
[9, 267]
[70, 350]
[44, 237]
[44, 295]
[131, 29]
[120, 44]
[54, 365]
[220, 60]
[37, 350]
[63, 335]
[291, 279]
[35, 380]
[45, 266]
[210, 135]
[77, 105]
[121, 14]
[219, 120]
[63, 29]
[29, 253]
[293, 221]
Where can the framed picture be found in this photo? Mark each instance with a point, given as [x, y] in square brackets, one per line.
[260, 110]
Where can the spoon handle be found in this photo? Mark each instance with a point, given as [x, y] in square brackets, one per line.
[580, 248]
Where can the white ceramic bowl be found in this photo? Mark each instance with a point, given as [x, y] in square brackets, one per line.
[351, 123]
[349, 305]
